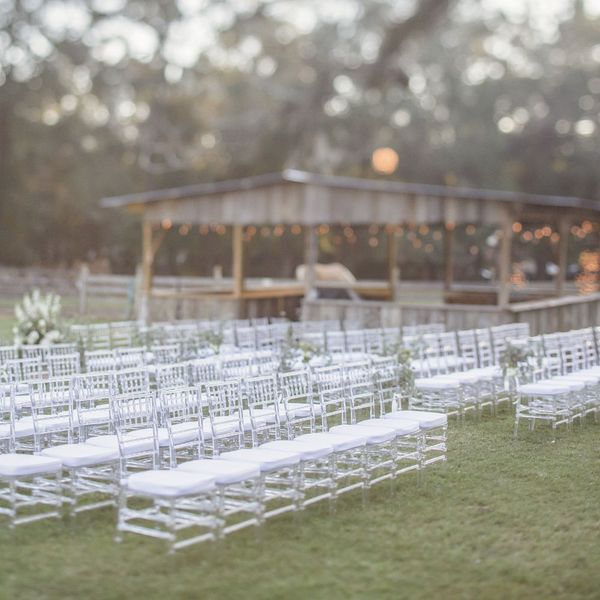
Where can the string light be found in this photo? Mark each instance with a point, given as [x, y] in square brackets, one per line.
[166, 224]
[296, 229]
[470, 229]
[587, 280]
[450, 225]
[517, 278]
[517, 227]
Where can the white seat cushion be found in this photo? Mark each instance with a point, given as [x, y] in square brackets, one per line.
[225, 472]
[306, 450]
[587, 380]
[140, 440]
[22, 429]
[57, 422]
[426, 419]
[261, 417]
[401, 426]
[81, 455]
[21, 465]
[493, 372]
[437, 383]
[170, 484]
[100, 414]
[463, 377]
[542, 389]
[373, 435]
[268, 460]
[340, 443]
[574, 385]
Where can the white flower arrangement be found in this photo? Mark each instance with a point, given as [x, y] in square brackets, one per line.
[38, 319]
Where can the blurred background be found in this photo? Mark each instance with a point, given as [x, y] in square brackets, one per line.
[108, 97]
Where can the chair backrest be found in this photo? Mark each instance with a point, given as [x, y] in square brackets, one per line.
[246, 338]
[24, 370]
[263, 396]
[387, 384]
[355, 341]
[64, 365]
[298, 401]
[8, 353]
[7, 418]
[467, 342]
[373, 341]
[58, 349]
[336, 342]
[52, 410]
[101, 361]
[485, 349]
[166, 354]
[222, 402]
[132, 358]
[331, 394]
[360, 390]
[203, 370]
[99, 336]
[131, 381]
[237, 367]
[172, 376]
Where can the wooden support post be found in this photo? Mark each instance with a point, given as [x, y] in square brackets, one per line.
[561, 276]
[238, 269]
[448, 258]
[311, 251]
[394, 272]
[150, 245]
[504, 269]
[82, 284]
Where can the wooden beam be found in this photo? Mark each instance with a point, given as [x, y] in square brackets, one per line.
[238, 261]
[393, 271]
[563, 243]
[448, 259]
[504, 268]
[311, 251]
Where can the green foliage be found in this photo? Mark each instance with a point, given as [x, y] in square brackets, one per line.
[520, 360]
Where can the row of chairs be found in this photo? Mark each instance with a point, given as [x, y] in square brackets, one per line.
[363, 451]
[565, 380]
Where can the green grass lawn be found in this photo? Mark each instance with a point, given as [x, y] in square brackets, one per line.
[507, 519]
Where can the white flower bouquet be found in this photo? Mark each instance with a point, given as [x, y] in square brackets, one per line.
[38, 319]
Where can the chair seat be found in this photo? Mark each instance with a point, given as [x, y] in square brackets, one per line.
[261, 417]
[22, 429]
[542, 389]
[492, 372]
[170, 484]
[225, 472]
[401, 426]
[437, 384]
[268, 460]
[81, 455]
[340, 443]
[587, 381]
[463, 377]
[301, 409]
[46, 424]
[373, 435]
[86, 416]
[426, 419]
[140, 440]
[306, 450]
[572, 384]
[22, 465]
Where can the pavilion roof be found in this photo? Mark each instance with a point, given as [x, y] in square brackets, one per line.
[308, 198]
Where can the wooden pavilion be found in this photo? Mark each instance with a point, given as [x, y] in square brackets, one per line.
[299, 198]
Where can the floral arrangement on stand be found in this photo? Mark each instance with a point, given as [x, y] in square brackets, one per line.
[519, 361]
[293, 351]
[405, 355]
[38, 319]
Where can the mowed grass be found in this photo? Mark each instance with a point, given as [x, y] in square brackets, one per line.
[506, 519]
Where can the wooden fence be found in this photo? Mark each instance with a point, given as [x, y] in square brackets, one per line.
[544, 316]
